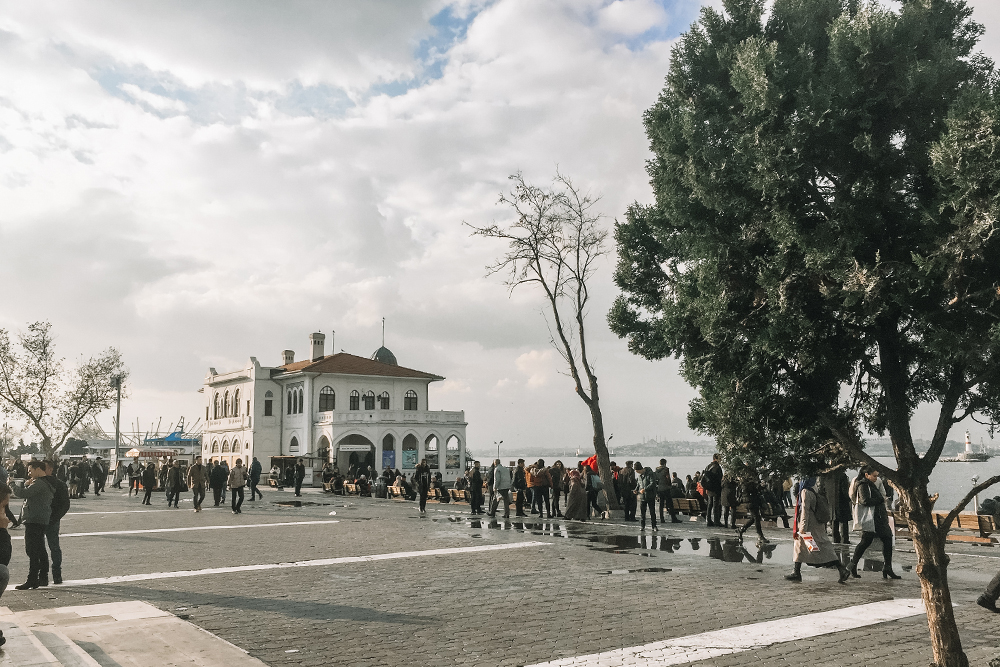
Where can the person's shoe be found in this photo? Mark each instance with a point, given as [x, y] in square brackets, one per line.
[676, 520]
[655, 529]
[844, 574]
[889, 574]
[559, 515]
[854, 570]
[986, 602]
[56, 575]
[642, 527]
[235, 512]
[521, 514]
[710, 524]
[43, 580]
[28, 585]
[794, 576]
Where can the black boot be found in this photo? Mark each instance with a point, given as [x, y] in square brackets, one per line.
[887, 573]
[796, 574]
[854, 569]
[43, 579]
[28, 585]
[56, 575]
[844, 573]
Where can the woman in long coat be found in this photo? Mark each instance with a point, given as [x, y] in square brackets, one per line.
[809, 527]
[874, 520]
[174, 482]
[576, 499]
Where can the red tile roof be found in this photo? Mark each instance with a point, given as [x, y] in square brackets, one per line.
[349, 364]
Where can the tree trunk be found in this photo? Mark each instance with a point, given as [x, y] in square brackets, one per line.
[932, 569]
[603, 459]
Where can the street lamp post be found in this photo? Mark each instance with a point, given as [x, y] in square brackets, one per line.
[498, 447]
[975, 500]
[116, 382]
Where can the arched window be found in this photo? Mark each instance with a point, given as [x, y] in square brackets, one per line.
[410, 400]
[355, 400]
[410, 451]
[268, 404]
[383, 401]
[451, 454]
[327, 399]
[431, 451]
[369, 400]
[236, 446]
[225, 405]
[290, 403]
[215, 412]
[293, 445]
[300, 400]
[225, 446]
[215, 447]
[236, 403]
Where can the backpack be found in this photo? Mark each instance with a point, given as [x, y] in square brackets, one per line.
[822, 511]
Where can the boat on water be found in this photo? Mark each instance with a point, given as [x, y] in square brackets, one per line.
[968, 456]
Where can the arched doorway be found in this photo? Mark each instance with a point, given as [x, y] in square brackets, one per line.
[323, 449]
[388, 452]
[355, 452]
[409, 452]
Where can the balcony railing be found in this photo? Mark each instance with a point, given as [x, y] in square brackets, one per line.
[392, 416]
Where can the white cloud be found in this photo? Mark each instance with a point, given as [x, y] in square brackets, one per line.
[631, 17]
[540, 367]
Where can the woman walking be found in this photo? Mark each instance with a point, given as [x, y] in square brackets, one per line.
[476, 489]
[576, 498]
[810, 543]
[422, 480]
[874, 520]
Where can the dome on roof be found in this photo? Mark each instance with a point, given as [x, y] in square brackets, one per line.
[385, 356]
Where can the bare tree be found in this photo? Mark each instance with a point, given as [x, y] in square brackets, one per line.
[554, 243]
[35, 385]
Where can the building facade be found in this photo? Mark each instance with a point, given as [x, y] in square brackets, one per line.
[350, 410]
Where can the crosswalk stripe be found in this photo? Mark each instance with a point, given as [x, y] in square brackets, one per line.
[683, 650]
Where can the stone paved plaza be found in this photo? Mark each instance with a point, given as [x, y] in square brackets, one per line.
[575, 589]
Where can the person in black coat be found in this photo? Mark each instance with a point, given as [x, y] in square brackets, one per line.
[476, 489]
[300, 474]
[6, 549]
[148, 483]
[749, 483]
[217, 479]
[422, 480]
[871, 499]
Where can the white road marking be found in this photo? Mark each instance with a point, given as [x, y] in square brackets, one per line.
[125, 531]
[683, 650]
[126, 578]
[206, 509]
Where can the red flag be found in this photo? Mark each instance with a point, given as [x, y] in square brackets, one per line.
[591, 463]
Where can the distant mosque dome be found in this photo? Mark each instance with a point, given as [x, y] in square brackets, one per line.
[385, 356]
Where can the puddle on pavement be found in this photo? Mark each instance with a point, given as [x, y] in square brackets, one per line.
[300, 503]
[641, 569]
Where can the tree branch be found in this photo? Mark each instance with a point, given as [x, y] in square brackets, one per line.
[952, 515]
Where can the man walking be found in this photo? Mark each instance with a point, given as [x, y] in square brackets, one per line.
[627, 479]
[520, 484]
[645, 491]
[197, 476]
[237, 480]
[663, 492]
[60, 505]
[543, 482]
[300, 474]
[501, 489]
[255, 471]
[37, 512]
[218, 480]
[422, 482]
[711, 482]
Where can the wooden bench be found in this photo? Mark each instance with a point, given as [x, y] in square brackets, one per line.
[351, 489]
[272, 482]
[966, 528]
[459, 496]
[688, 506]
[396, 492]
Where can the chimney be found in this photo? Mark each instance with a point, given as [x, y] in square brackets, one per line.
[287, 356]
[316, 342]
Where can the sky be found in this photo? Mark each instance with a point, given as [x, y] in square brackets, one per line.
[196, 183]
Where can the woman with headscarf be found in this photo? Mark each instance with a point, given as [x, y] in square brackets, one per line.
[810, 543]
[576, 498]
[874, 519]
[558, 475]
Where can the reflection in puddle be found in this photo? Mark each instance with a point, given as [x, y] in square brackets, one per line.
[641, 569]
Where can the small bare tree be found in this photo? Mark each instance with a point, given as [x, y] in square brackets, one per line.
[554, 243]
[35, 385]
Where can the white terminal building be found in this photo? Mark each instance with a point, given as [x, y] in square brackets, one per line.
[342, 408]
